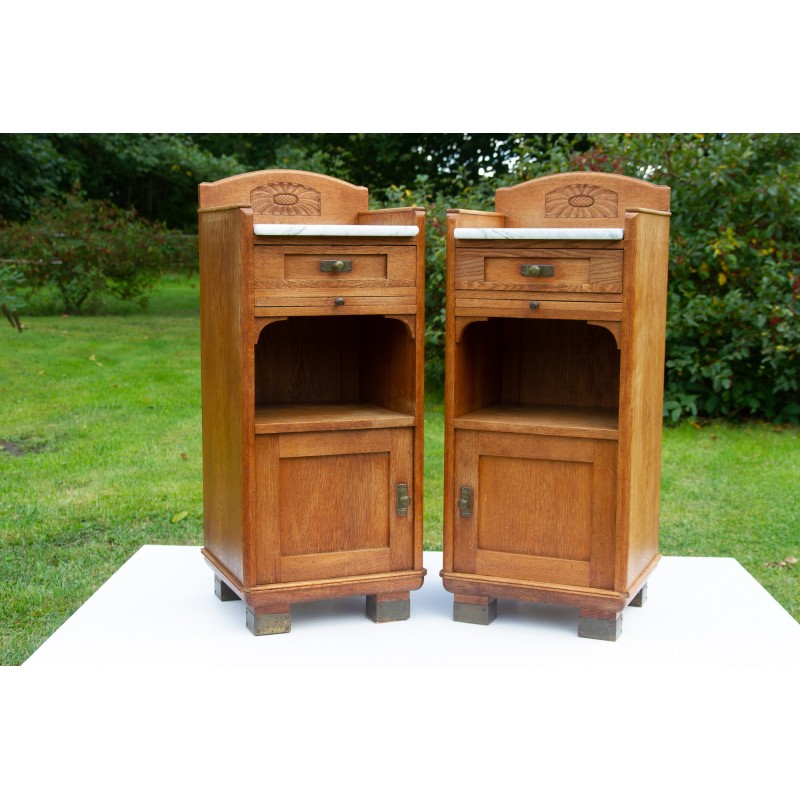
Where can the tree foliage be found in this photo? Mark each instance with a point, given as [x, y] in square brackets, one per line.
[30, 168]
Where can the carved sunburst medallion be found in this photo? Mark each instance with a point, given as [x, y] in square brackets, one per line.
[286, 200]
[581, 201]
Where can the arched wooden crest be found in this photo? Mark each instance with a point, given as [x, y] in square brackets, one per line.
[279, 195]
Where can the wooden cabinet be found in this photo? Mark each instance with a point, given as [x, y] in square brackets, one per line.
[312, 336]
[556, 308]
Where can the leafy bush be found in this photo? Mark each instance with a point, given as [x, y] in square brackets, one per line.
[85, 248]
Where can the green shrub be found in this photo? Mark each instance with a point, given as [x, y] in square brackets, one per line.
[85, 248]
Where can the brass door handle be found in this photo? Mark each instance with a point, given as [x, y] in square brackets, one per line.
[465, 502]
[402, 499]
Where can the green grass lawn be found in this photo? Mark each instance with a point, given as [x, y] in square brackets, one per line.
[100, 430]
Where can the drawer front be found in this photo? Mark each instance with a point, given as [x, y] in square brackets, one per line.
[476, 304]
[539, 270]
[293, 267]
[329, 303]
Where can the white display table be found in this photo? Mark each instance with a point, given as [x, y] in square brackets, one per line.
[160, 609]
[156, 688]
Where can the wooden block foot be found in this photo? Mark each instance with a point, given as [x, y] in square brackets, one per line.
[388, 607]
[475, 609]
[641, 598]
[267, 621]
[607, 628]
[223, 591]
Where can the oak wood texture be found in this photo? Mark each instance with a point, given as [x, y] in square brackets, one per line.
[312, 397]
[225, 292]
[553, 397]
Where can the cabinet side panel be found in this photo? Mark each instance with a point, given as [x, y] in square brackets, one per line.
[223, 376]
[419, 396]
[642, 389]
[448, 493]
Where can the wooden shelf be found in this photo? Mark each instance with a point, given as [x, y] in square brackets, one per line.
[588, 423]
[300, 417]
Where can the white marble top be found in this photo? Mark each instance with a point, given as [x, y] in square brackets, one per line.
[539, 233]
[260, 229]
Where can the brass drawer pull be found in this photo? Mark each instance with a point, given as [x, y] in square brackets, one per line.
[339, 301]
[536, 270]
[343, 265]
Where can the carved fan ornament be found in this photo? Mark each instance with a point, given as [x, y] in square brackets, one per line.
[581, 201]
[286, 200]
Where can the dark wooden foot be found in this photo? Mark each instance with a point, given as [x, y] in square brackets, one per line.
[477, 609]
[270, 619]
[223, 591]
[389, 607]
[607, 627]
[641, 598]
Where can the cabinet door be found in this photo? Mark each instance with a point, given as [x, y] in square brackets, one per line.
[327, 504]
[542, 508]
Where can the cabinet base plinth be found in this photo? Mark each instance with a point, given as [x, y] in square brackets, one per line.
[607, 628]
[390, 607]
[478, 610]
[261, 623]
[640, 599]
[223, 591]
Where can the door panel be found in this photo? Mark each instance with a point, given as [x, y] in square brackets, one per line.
[334, 508]
[542, 507]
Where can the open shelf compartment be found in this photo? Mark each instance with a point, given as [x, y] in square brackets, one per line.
[334, 373]
[556, 377]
